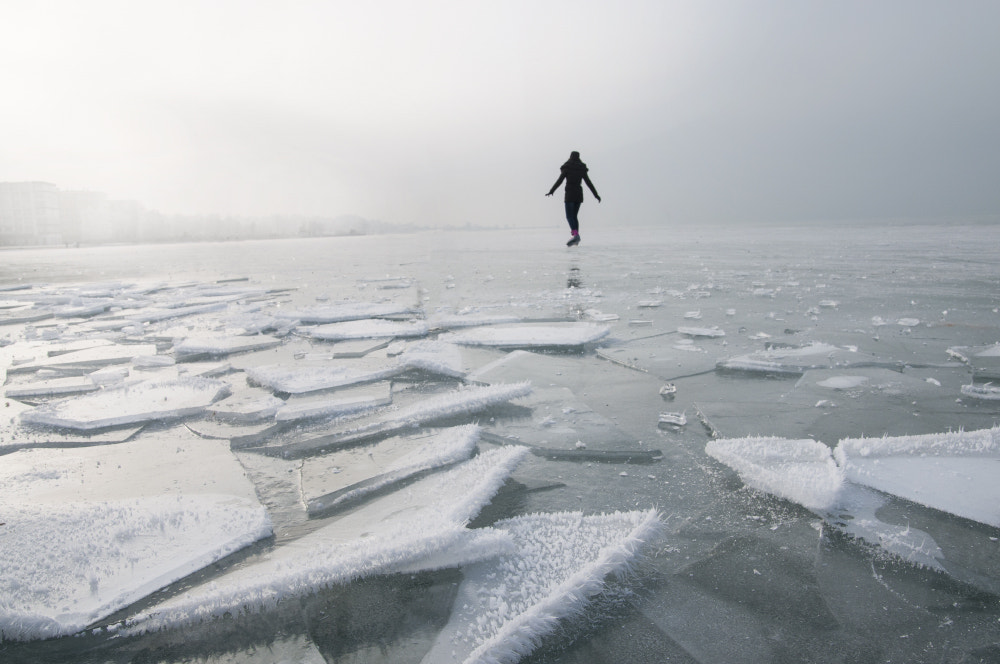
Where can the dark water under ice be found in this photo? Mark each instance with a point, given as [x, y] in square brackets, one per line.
[739, 576]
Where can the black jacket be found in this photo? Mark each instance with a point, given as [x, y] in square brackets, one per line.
[574, 172]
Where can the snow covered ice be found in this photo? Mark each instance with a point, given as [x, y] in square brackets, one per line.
[450, 446]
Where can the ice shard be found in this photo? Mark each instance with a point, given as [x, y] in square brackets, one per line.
[530, 335]
[507, 605]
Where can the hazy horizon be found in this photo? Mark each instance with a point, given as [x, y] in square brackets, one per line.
[448, 113]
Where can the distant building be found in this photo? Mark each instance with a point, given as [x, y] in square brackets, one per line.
[29, 213]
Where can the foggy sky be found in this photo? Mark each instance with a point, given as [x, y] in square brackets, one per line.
[441, 112]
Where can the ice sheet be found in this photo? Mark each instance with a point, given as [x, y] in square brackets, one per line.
[130, 404]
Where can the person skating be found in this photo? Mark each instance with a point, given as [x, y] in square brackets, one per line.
[574, 172]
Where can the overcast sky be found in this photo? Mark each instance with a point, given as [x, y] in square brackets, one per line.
[457, 112]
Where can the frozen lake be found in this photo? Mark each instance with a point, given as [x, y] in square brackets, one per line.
[789, 530]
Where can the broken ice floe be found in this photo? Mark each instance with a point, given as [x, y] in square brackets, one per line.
[89, 531]
[449, 322]
[339, 478]
[464, 401]
[87, 359]
[951, 472]
[985, 392]
[672, 420]
[245, 405]
[15, 436]
[802, 471]
[341, 402]
[346, 311]
[507, 605]
[130, 404]
[420, 527]
[367, 329]
[795, 361]
[56, 387]
[218, 346]
[303, 377]
[434, 356]
[984, 360]
[711, 332]
[530, 335]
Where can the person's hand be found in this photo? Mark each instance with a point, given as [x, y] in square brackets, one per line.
[549, 194]
[598, 199]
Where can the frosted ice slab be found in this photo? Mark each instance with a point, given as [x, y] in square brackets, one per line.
[434, 356]
[464, 401]
[246, 405]
[311, 376]
[88, 358]
[223, 345]
[506, 606]
[339, 402]
[338, 478]
[452, 321]
[952, 472]
[55, 387]
[792, 361]
[802, 471]
[15, 436]
[130, 404]
[701, 331]
[374, 328]
[418, 527]
[544, 335]
[346, 311]
[90, 531]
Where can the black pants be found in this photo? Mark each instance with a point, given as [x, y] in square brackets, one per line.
[572, 210]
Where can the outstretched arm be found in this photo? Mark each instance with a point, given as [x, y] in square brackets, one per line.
[590, 185]
[556, 185]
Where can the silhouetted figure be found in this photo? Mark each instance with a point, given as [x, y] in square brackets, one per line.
[574, 172]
